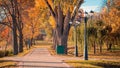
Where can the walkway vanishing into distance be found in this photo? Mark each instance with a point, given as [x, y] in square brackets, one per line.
[39, 58]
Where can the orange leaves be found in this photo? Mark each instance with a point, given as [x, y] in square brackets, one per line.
[41, 3]
[112, 19]
[5, 32]
[52, 22]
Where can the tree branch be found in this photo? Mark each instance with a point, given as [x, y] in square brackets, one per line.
[75, 11]
[51, 10]
[6, 14]
[6, 24]
[6, 6]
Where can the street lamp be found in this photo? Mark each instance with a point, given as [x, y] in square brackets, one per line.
[77, 22]
[85, 37]
[91, 14]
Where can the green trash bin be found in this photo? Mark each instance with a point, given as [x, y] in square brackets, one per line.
[60, 49]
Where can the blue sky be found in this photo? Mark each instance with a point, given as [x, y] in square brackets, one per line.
[89, 5]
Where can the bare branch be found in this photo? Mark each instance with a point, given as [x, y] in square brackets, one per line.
[6, 24]
[7, 7]
[6, 14]
[76, 9]
[51, 10]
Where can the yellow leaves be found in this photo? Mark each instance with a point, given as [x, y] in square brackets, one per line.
[41, 3]
[113, 26]
[75, 1]
[112, 18]
[33, 12]
[52, 22]
[5, 32]
[71, 8]
[28, 30]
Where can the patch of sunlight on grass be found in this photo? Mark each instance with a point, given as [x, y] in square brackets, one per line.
[4, 63]
[42, 46]
[26, 51]
[93, 64]
[7, 64]
[43, 43]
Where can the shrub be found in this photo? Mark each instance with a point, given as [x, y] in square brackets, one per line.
[1, 53]
[8, 53]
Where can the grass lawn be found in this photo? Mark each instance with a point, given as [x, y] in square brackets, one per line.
[39, 44]
[94, 64]
[4, 63]
[8, 63]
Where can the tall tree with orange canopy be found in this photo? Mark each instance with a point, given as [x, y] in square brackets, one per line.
[62, 14]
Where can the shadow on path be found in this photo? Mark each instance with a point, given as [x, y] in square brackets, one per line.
[38, 58]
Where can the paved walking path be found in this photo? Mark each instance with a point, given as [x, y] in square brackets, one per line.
[40, 58]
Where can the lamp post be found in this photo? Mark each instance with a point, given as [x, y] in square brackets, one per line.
[85, 37]
[75, 36]
[75, 22]
[75, 40]
[91, 14]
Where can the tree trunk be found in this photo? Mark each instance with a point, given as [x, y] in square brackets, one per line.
[15, 41]
[100, 46]
[62, 24]
[54, 40]
[66, 30]
[63, 29]
[64, 42]
[94, 47]
[109, 47]
[31, 43]
[32, 36]
[20, 41]
[5, 54]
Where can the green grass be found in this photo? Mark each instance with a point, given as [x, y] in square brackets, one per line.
[94, 64]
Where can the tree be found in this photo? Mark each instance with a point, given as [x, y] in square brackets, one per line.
[14, 21]
[22, 7]
[62, 20]
[5, 37]
[112, 23]
[92, 35]
[11, 7]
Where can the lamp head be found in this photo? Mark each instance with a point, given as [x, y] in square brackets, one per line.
[86, 17]
[91, 13]
[86, 14]
[77, 22]
[70, 22]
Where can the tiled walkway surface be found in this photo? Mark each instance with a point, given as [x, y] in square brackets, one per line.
[40, 58]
